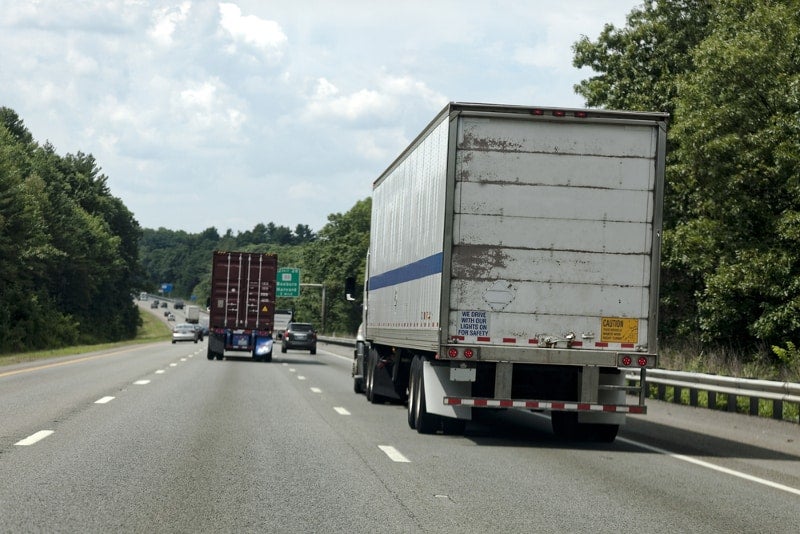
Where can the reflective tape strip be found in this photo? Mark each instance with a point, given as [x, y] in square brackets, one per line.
[545, 405]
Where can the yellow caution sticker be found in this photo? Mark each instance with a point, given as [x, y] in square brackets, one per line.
[619, 330]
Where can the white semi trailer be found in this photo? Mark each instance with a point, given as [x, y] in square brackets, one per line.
[514, 263]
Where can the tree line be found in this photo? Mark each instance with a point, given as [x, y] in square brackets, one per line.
[727, 72]
[69, 250]
[328, 257]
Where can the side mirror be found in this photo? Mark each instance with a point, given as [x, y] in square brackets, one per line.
[350, 288]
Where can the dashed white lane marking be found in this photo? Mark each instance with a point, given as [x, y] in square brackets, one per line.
[292, 369]
[301, 377]
[173, 365]
[142, 382]
[104, 400]
[33, 438]
[711, 466]
[160, 372]
[341, 411]
[183, 359]
[393, 454]
[316, 390]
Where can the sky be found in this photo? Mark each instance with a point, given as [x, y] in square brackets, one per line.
[229, 114]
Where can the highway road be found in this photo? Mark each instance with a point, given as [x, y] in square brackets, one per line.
[157, 438]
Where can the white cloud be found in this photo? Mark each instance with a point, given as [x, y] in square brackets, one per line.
[265, 35]
[174, 93]
[201, 95]
[166, 20]
[390, 93]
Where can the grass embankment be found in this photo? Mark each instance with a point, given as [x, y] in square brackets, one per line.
[762, 366]
[152, 329]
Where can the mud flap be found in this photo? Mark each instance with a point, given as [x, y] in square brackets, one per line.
[438, 385]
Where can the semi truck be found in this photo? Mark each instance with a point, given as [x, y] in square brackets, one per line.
[242, 304]
[514, 263]
[282, 319]
[192, 314]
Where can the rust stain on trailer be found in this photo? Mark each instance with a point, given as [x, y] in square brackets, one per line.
[478, 261]
[469, 140]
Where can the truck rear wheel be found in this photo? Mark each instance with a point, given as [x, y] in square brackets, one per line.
[412, 393]
[424, 422]
[566, 426]
[372, 365]
[210, 354]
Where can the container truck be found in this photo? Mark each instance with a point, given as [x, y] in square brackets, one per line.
[514, 263]
[242, 304]
[282, 320]
[192, 314]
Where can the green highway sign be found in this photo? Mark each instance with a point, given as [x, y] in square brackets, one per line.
[287, 282]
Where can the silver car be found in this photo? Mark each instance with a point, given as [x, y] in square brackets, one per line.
[184, 332]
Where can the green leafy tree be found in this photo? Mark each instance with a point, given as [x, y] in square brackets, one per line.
[738, 170]
[340, 251]
[68, 248]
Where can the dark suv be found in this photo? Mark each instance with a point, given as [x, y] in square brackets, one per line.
[299, 336]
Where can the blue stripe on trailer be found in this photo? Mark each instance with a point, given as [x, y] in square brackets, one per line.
[413, 271]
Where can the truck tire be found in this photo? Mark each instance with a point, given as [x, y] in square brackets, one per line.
[268, 357]
[566, 426]
[210, 354]
[424, 422]
[412, 393]
[358, 386]
[603, 433]
[372, 365]
[368, 378]
[453, 427]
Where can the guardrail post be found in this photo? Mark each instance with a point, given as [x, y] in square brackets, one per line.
[693, 397]
[777, 409]
[662, 392]
[712, 400]
[754, 401]
[731, 402]
[676, 394]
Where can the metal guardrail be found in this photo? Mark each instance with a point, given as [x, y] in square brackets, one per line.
[777, 393]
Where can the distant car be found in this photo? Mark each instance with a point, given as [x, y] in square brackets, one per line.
[178, 304]
[167, 313]
[170, 316]
[163, 304]
[184, 332]
[299, 336]
[199, 330]
[154, 304]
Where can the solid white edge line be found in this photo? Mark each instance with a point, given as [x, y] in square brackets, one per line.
[393, 454]
[33, 438]
[713, 467]
[104, 400]
[341, 411]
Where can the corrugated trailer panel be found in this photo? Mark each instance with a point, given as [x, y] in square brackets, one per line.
[408, 253]
[243, 290]
[553, 231]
